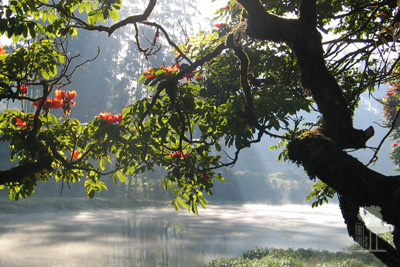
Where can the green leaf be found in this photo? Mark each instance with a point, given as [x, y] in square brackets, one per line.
[15, 38]
[181, 202]
[194, 208]
[88, 7]
[114, 14]
[81, 7]
[142, 77]
[165, 183]
[45, 75]
[218, 147]
[102, 164]
[94, 18]
[220, 178]
[90, 193]
[122, 177]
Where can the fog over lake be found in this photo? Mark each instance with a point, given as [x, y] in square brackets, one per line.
[163, 237]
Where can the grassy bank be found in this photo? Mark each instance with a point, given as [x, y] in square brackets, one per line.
[271, 257]
[60, 204]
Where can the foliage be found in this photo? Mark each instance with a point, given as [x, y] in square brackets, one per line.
[321, 192]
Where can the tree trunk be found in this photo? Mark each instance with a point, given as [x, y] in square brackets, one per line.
[320, 151]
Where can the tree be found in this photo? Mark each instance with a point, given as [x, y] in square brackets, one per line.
[252, 76]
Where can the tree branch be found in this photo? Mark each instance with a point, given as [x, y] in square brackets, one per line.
[129, 20]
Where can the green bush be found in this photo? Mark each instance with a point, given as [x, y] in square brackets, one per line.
[345, 263]
[264, 262]
[274, 257]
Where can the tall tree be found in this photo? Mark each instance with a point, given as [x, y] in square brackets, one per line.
[263, 65]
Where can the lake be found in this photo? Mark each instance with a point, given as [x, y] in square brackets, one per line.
[163, 237]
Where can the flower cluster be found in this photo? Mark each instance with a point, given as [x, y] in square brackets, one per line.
[170, 70]
[178, 155]
[110, 118]
[381, 15]
[23, 89]
[51, 103]
[391, 101]
[75, 155]
[221, 25]
[63, 99]
[67, 98]
[194, 74]
[22, 123]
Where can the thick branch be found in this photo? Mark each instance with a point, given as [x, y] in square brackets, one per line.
[322, 158]
[21, 172]
[315, 76]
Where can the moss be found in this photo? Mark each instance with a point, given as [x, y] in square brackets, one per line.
[314, 151]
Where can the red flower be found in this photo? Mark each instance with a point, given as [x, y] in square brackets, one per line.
[65, 96]
[227, 7]
[60, 94]
[381, 14]
[189, 76]
[75, 155]
[2, 50]
[395, 144]
[37, 103]
[118, 118]
[23, 89]
[55, 103]
[110, 118]
[150, 76]
[149, 70]
[50, 103]
[70, 95]
[21, 123]
[221, 25]
[179, 155]
[171, 68]
[390, 94]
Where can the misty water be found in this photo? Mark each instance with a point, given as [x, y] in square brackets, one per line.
[163, 237]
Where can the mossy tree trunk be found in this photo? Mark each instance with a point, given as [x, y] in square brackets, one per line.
[321, 152]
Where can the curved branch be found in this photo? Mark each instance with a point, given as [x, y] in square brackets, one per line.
[129, 20]
[375, 157]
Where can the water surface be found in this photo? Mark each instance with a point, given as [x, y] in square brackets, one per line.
[163, 237]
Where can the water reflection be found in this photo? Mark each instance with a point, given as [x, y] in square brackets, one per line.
[162, 237]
